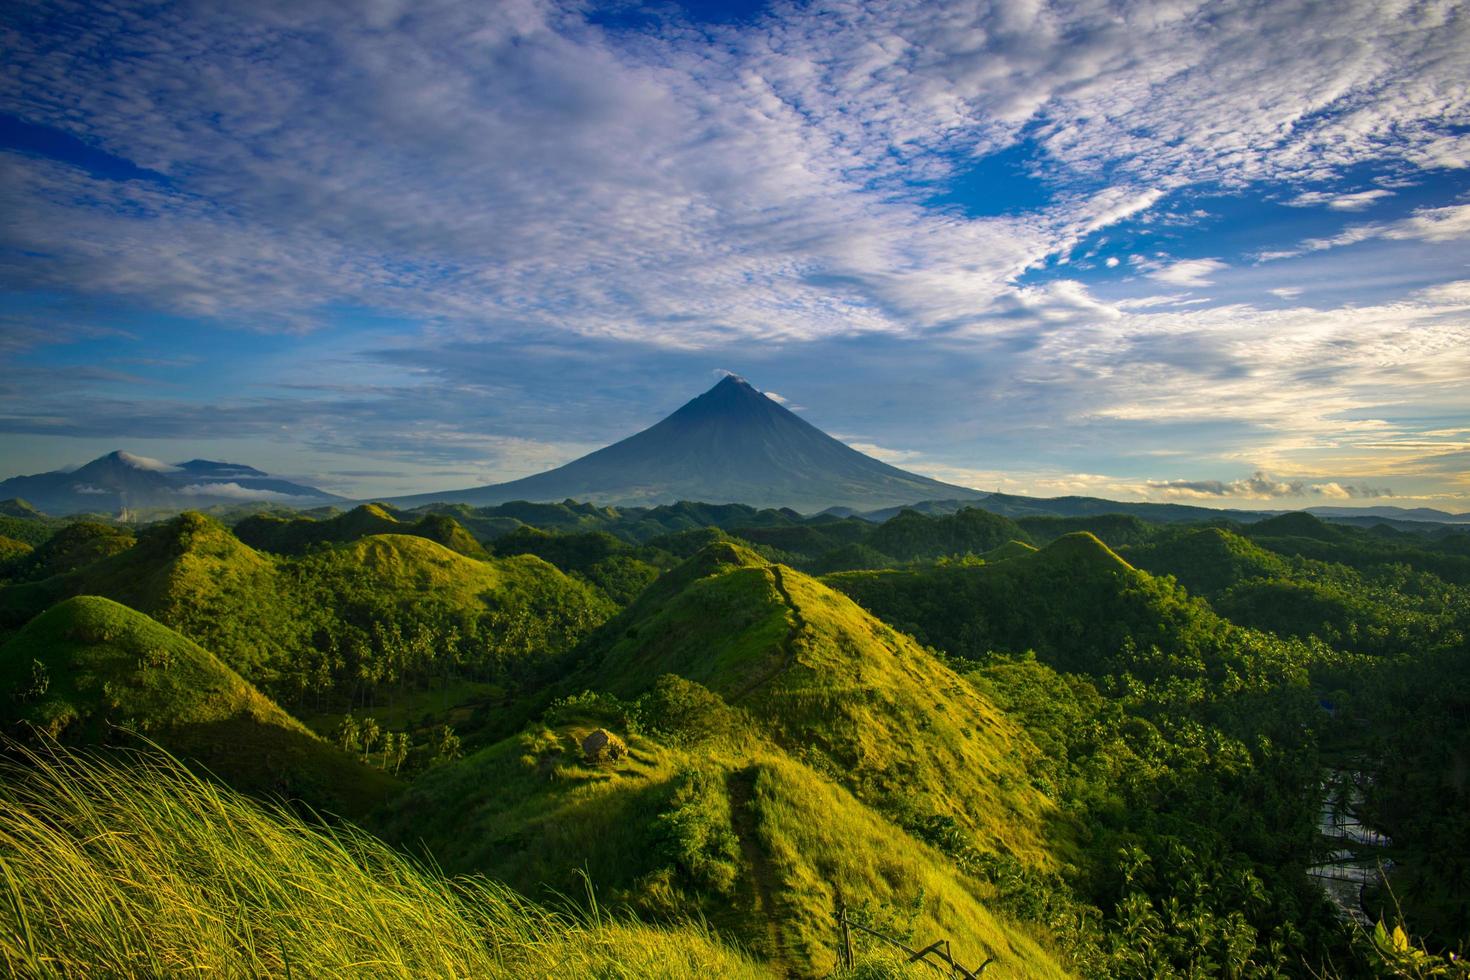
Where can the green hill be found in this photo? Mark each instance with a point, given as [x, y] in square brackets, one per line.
[74, 546]
[820, 737]
[1297, 524]
[1075, 602]
[298, 535]
[379, 611]
[833, 686]
[1011, 549]
[911, 536]
[1207, 561]
[733, 831]
[89, 664]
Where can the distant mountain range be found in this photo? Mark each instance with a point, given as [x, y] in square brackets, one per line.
[1394, 513]
[1017, 506]
[122, 481]
[732, 444]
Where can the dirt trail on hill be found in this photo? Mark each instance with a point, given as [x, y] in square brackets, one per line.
[788, 645]
[761, 883]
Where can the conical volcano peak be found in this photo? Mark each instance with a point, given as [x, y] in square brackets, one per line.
[731, 444]
[734, 386]
[732, 394]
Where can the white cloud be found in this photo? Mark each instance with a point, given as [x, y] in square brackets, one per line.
[1188, 272]
[234, 491]
[1261, 486]
[1450, 293]
[895, 456]
[482, 165]
[1435, 225]
[145, 463]
[1339, 202]
[778, 399]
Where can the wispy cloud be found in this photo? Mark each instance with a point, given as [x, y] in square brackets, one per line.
[1356, 201]
[1439, 225]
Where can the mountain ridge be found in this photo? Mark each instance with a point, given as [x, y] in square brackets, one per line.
[123, 481]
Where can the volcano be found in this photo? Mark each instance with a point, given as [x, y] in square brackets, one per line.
[732, 444]
[123, 481]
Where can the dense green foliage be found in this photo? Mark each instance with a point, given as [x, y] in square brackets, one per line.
[298, 535]
[71, 547]
[383, 615]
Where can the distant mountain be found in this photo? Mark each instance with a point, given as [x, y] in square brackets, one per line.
[730, 445]
[123, 481]
[1422, 514]
[1017, 506]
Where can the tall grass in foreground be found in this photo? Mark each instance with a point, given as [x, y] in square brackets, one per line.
[145, 870]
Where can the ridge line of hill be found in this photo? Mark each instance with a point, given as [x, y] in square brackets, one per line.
[740, 786]
[798, 626]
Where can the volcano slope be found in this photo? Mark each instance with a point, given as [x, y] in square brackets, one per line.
[783, 748]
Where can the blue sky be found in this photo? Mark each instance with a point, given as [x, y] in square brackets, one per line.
[1207, 252]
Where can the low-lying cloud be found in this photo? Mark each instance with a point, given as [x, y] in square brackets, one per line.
[234, 491]
[1260, 486]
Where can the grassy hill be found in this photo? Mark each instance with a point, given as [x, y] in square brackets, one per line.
[802, 743]
[74, 546]
[1074, 601]
[733, 831]
[381, 610]
[1207, 561]
[89, 664]
[835, 687]
[295, 536]
[141, 870]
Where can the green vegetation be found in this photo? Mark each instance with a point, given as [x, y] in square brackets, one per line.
[74, 546]
[142, 870]
[619, 570]
[299, 535]
[90, 671]
[13, 554]
[20, 521]
[381, 615]
[722, 824]
[1156, 717]
[834, 687]
[1105, 757]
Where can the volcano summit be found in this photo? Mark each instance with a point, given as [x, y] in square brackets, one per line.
[732, 444]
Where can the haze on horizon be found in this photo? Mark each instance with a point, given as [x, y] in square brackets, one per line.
[1213, 253]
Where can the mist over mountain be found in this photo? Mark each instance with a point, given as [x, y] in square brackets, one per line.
[124, 481]
[732, 444]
